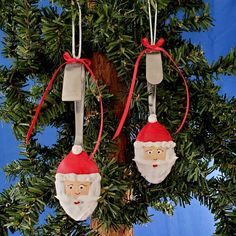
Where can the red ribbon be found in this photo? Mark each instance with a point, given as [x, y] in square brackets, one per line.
[150, 49]
[69, 60]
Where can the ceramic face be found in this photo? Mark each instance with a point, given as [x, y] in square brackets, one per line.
[154, 153]
[76, 188]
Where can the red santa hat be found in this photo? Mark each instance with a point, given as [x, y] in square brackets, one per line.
[77, 162]
[154, 134]
[78, 166]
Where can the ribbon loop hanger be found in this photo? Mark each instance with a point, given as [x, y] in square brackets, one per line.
[153, 32]
[73, 30]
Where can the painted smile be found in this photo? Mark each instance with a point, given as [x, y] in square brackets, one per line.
[77, 203]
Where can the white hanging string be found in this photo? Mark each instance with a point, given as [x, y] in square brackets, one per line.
[73, 31]
[155, 25]
[153, 34]
[150, 21]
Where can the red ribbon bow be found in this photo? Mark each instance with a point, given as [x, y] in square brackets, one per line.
[149, 49]
[69, 60]
[155, 47]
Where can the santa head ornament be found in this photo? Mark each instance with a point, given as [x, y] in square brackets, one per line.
[78, 184]
[154, 146]
[154, 151]
[77, 177]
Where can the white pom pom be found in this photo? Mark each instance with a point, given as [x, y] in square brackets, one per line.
[152, 118]
[77, 149]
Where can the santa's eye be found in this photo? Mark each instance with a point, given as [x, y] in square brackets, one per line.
[149, 152]
[81, 187]
[158, 151]
[70, 186]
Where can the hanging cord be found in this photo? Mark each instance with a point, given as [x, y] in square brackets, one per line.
[152, 47]
[153, 33]
[73, 31]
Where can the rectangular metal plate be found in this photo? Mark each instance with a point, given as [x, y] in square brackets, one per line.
[154, 71]
[72, 83]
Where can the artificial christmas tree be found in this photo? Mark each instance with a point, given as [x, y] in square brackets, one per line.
[36, 37]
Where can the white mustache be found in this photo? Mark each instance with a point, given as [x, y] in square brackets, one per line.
[66, 198]
[158, 162]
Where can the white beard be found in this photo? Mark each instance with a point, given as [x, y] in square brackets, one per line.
[79, 211]
[154, 175]
[154, 171]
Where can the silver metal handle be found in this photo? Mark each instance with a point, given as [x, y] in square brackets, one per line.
[79, 112]
[151, 98]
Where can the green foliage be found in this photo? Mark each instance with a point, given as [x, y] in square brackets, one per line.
[35, 40]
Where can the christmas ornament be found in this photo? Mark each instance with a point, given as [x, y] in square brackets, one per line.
[154, 146]
[77, 176]
[78, 184]
[154, 151]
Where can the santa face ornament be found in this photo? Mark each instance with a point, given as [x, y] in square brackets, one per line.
[154, 146]
[78, 185]
[154, 151]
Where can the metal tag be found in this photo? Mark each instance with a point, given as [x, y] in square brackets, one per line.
[154, 71]
[72, 83]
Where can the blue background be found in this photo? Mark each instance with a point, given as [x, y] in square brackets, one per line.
[194, 220]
